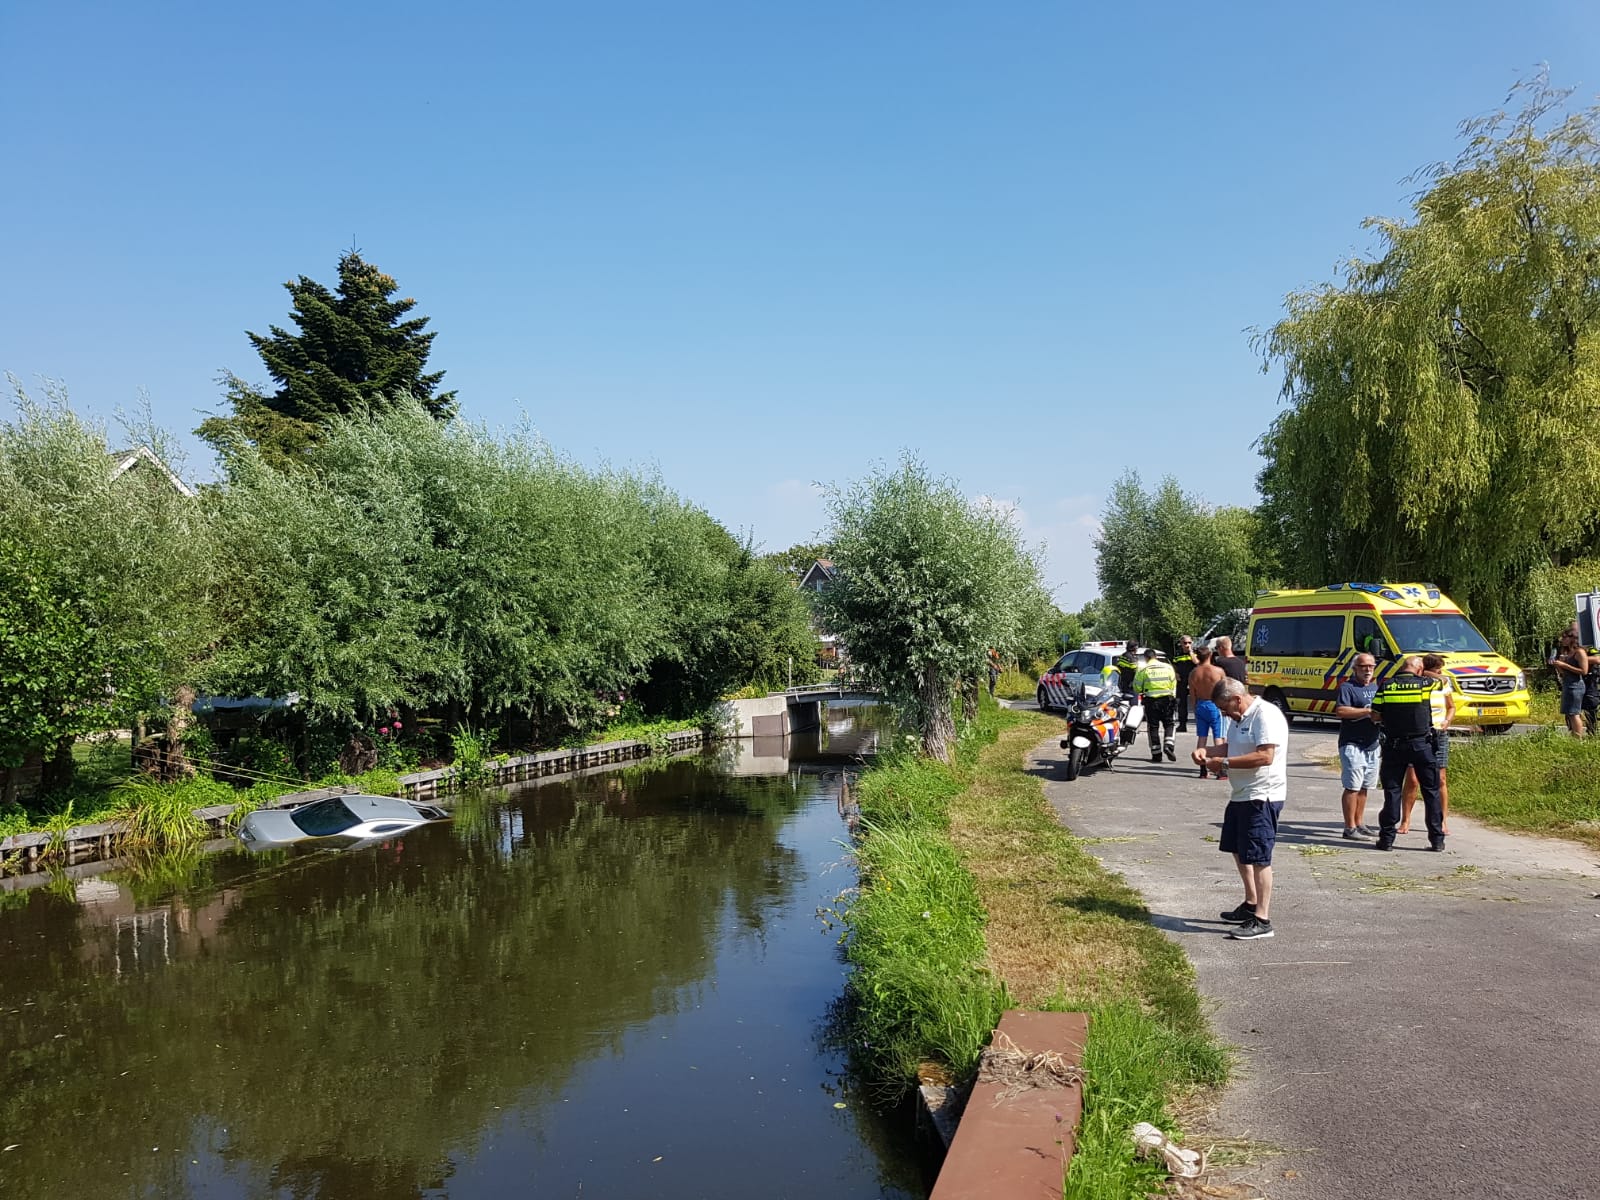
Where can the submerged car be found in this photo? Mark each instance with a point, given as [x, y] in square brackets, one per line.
[351, 818]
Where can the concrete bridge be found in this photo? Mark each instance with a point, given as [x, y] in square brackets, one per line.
[790, 711]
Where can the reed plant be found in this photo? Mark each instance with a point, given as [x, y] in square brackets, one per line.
[161, 816]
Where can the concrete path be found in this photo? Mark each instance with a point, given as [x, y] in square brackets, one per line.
[1423, 1025]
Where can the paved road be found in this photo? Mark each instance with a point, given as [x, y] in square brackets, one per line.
[1423, 1025]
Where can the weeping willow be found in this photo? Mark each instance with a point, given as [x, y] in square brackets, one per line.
[1443, 397]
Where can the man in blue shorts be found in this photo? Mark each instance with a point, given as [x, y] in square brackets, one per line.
[1359, 737]
[1256, 758]
[1203, 679]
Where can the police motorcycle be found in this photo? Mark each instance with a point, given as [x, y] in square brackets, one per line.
[1104, 722]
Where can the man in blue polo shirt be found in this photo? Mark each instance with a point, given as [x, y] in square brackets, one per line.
[1358, 743]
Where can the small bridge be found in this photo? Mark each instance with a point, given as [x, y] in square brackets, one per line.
[789, 711]
[829, 691]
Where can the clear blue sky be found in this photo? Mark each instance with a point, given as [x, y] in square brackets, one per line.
[756, 245]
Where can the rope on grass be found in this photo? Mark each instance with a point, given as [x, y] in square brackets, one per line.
[1004, 1063]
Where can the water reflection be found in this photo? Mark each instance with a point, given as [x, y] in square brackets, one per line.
[605, 987]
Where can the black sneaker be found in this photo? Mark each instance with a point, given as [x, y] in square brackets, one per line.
[1155, 758]
[1255, 927]
[1239, 916]
[1352, 833]
[1172, 753]
[1385, 841]
[1436, 844]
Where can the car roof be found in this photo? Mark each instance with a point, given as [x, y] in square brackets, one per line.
[370, 808]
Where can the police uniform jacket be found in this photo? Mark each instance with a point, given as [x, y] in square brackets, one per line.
[1404, 706]
[1156, 679]
[1183, 664]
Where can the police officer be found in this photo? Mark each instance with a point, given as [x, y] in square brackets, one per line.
[1403, 709]
[1183, 663]
[1128, 663]
[1157, 683]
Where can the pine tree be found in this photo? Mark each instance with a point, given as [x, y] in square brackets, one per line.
[355, 351]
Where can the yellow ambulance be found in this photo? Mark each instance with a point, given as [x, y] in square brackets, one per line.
[1301, 644]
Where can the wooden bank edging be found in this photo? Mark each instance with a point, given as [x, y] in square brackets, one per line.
[30, 852]
[1014, 1140]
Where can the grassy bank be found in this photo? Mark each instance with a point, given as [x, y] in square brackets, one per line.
[160, 813]
[1547, 782]
[974, 898]
[1018, 683]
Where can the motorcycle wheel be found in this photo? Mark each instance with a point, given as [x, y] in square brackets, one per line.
[1074, 762]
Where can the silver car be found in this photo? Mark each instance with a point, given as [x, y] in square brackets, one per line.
[351, 818]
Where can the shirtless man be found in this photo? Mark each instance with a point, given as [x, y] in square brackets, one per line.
[1207, 717]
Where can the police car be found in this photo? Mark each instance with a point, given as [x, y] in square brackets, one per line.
[1078, 667]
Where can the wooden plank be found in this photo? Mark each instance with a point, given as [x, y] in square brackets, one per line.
[1014, 1144]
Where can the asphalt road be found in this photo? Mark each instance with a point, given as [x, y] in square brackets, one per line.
[1423, 1025]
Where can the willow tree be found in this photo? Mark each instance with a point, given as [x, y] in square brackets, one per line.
[108, 582]
[926, 582]
[1443, 395]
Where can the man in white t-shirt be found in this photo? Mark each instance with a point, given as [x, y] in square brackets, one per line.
[1255, 756]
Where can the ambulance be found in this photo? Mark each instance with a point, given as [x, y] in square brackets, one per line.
[1301, 644]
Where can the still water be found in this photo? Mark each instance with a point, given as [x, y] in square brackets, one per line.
[615, 986]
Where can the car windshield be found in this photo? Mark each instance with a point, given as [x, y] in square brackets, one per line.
[325, 818]
[1445, 633]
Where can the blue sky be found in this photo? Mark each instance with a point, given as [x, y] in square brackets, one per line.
[753, 245]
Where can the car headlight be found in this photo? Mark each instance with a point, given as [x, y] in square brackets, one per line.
[1522, 682]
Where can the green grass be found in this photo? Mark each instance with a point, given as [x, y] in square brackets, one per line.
[1017, 684]
[920, 986]
[653, 733]
[1131, 1066]
[1544, 702]
[977, 848]
[1547, 782]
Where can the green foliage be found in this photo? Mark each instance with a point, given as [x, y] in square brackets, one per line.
[1442, 395]
[353, 354]
[52, 681]
[161, 817]
[413, 564]
[927, 583]
[470, 752]
[1167, 562]
[105, 583]
[731, 617]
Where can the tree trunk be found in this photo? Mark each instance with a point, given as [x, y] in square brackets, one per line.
[938, 725]
[58, 768]
[969, 699]
[176, 766]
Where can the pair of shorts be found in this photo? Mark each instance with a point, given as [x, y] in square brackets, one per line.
[1441, 747]
[1250, 830]
[1207, 720]
[1358, 767]
[1572, 698]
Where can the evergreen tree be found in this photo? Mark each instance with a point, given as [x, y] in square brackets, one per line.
[355, 351]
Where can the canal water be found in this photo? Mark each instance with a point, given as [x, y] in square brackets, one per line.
[613, 986]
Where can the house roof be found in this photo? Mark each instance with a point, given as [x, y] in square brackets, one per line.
[822, 567]
[123, 461]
